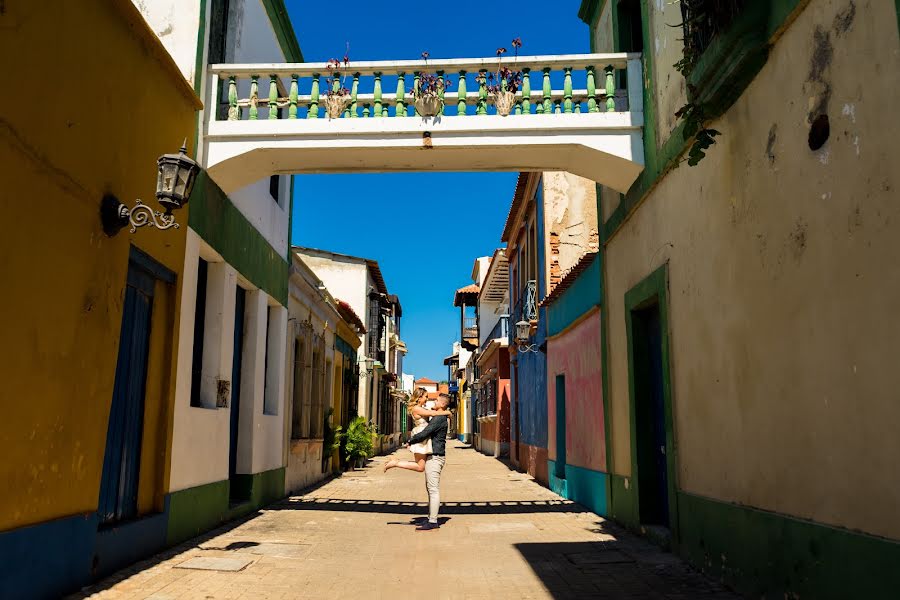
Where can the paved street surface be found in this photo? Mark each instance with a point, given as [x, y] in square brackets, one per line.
[503, 536]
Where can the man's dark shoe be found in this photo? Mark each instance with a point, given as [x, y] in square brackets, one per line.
[428, 526]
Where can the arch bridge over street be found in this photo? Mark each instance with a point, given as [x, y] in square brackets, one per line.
[581, 113]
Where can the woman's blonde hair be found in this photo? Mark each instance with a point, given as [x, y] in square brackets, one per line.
[414, 400]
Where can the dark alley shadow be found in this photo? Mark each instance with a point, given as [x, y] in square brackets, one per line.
[491, 507]
[627, 568]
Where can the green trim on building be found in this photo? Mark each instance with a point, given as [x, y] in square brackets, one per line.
[623, 502]
[653, 290]
[284, 30]
[590, 10]
[604, 356]
[769, 555]
[723, 73]
[201, 49]
[215, 219]
[196, 510]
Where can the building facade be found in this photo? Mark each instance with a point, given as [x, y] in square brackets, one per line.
[359, 284]
[322, 378]
[228, 444]
[492, 389]
[88, 355]
[747, 355]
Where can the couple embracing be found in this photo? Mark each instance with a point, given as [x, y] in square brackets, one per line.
[428, 444]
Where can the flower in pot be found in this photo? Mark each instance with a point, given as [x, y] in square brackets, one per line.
[428, 92]
[337, 97]
[505, 83]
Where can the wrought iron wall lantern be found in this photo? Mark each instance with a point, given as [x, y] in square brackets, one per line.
[176, 174]
[523, 336]
[368, 367]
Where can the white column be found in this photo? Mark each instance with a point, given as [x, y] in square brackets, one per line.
[252, 377]
[218, 341]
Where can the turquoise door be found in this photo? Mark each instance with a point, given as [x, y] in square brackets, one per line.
[560, 427]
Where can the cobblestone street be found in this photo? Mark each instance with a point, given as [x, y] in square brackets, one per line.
[503, 536]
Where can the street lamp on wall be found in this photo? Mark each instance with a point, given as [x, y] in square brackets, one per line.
[176, 174]
[368, 367]
[523, 336]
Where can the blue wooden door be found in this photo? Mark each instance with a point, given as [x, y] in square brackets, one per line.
[122, 460]
[239, 306]
[560, 427]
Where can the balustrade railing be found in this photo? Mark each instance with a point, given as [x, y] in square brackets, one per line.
[470, 328]
[500, 331]
[563, 84]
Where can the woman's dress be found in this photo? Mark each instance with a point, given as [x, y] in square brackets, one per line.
[419, 424]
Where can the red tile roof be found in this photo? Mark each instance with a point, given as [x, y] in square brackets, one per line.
[348, 314]
[425, 380]
[470, 292]
[569, 278]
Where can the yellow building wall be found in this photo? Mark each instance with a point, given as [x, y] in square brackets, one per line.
[783, 285]
[94, 101]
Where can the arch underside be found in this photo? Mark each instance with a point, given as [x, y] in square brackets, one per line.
[606, 148]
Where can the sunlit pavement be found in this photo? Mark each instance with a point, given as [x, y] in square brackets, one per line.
[502, 536]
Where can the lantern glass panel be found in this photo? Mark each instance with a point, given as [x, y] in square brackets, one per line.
[523, 330]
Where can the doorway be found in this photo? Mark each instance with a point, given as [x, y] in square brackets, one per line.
[237, 493]
[652, 432]
[560, 427]
[120, 479]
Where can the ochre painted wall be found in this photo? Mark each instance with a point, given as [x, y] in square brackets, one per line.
[97, 116]
[783, 284]
[575, 353]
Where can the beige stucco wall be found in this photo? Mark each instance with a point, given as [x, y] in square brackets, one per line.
[783, 283]
[601, 31]
[570, 212]
[667, 49]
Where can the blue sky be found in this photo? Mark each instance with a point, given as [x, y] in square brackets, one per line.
[424, 229]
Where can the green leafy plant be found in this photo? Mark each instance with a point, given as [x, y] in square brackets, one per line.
[358, 441]
[331, 438]
[703, 137]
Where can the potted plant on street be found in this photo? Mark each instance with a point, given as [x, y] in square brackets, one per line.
[337, 97]
[505, 83]
[428, 93]
[358, 442]
[331, 441]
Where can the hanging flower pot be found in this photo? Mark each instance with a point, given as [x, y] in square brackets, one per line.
[428, 105]
[428, 92]
[335, 104]
[504, 100]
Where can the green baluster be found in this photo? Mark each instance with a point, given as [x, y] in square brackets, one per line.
[401, 91]
[591, 91]
[481, 107]
[273, 97]
[518, 108]
[313, 112]
[526, 91]
[578, 108]
[354, 89]
[610, 89]
[254, 97]
[384, 110]
[292, 109]
[441, 90]
[557, 107]
[377, 94]
[366, 108]
[548, 92]
[234, 113]
[567, 89]
[461, 95]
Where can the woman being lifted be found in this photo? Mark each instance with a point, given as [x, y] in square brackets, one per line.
[421, 412]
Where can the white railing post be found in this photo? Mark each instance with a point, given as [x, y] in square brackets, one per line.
[635, 82]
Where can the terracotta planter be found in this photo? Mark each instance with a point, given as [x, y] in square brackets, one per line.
[335, 105]
[428, 106]
[504, 102]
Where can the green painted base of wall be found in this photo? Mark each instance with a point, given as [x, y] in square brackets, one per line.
[584, 486]
[767, 555]
[196, 510]
[623, 503]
